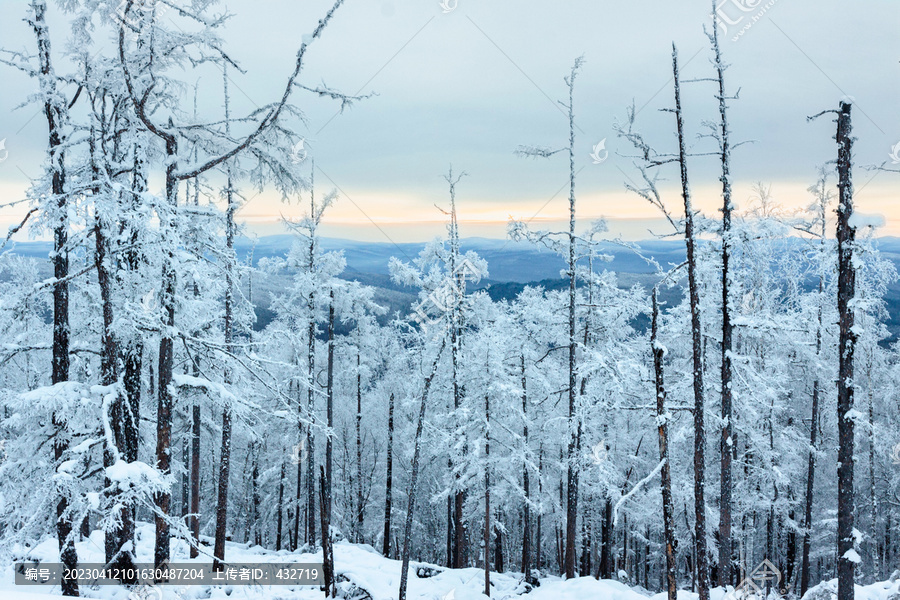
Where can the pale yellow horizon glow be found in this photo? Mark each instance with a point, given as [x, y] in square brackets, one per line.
[374, 216]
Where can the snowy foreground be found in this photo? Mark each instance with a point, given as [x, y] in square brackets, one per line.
[364, 574]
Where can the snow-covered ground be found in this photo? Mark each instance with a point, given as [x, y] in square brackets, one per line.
[364, 573]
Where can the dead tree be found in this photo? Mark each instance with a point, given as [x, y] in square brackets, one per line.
[726, 443]
[846, 236]
[697, 346]
[818, 228]
[225, 454]
[389, 481]
[414, 477]
[526, 484]
[487, 495]
[662, 424]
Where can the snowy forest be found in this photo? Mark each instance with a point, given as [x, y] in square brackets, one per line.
[736, 409]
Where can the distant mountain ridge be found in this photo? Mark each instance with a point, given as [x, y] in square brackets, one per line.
[508, 261]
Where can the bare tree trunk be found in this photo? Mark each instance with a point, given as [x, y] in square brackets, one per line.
[163, 500]
[526, 485]
[487, 496]
[726, 443]
[329, 409]
[279, 523]
[697, 339]
[360, 517]
[574, 422]
[195, 478]
[846, 235]
[414, 478]
[327, 551]
[389, 481]
[458, 531]
[873, 498]
[662, 420]
[225, 458]
[55, 115]
[814, 419]
[538, 535]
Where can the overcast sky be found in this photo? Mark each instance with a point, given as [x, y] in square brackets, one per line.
[468, 85]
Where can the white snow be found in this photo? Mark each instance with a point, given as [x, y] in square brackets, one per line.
[362, 567]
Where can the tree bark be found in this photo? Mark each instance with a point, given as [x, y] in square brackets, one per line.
[414, 478]
[389, 481]
[54, 112]
[846, 235]
[697, 343]
[574, 422]
[487, 496]
[526, 484]
[725, 567]
[662, 425]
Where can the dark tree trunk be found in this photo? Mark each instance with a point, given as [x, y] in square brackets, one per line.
[813, 448]
[538, 535]
[662, 419]
[846, 235]
[195, 479]
[327, 551]
[574, 421]
[526, 484]
[702, 557]
[329, 409]
[606, 542]
[389, 481]
[54, 113]
[725, 567]
[487, 496]
[163, 500]
[225, 464]
[360, 516]
[414, 478]
[279, 523]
